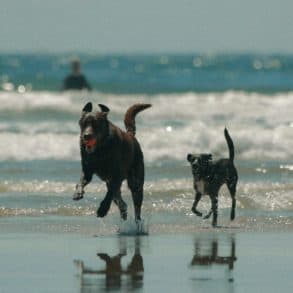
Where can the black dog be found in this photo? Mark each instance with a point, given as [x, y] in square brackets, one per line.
[113, 155]
[209, 176]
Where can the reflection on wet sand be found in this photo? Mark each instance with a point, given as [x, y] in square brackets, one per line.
[114, 271]
[212, 255]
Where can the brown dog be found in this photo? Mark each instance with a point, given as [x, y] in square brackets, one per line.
[112, 154]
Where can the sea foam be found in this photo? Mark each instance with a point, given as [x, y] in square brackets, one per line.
[45, 125]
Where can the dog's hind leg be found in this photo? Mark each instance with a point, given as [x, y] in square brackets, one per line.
[137, 197]
[135, 182]
[113, 189]
[232, 190]
[215, 210]
[194, 206]
[121, 205]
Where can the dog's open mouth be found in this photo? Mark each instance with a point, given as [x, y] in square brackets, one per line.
[90, 145]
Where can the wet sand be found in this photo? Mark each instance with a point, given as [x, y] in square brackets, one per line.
[209, 260]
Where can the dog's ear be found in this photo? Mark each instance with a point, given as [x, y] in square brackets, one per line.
[104, 108]
[190, 158]
[87, 108]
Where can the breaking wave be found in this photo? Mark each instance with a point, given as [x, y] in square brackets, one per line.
[35, 126]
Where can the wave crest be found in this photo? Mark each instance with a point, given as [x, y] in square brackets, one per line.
[44, 125]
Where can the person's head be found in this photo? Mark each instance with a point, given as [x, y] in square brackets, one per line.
[75, 66]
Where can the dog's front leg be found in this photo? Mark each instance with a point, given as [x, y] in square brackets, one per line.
[121, 205]
[85, 179]
[194, 206]
[207, 216]
[113, 189]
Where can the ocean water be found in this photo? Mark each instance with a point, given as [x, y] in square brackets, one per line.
[193, 98]
[151, 73]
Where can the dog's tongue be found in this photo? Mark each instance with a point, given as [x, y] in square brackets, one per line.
[90, 143]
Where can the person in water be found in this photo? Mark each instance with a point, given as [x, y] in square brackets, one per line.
[76, 80]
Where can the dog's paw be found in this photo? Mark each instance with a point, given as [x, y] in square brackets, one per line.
[77, 195]
[199, 214]
[103, 209]
[207, 216]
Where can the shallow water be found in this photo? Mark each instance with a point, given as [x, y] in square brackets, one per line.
[40, 162]
[49, 243]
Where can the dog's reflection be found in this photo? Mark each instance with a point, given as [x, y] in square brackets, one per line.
[114, 271]
[208, 255]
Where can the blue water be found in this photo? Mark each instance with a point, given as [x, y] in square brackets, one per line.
[153, 73]
[193, 98]
[45, 235]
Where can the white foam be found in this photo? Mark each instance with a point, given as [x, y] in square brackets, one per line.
[260, 125]
[20, 147]
[163, 195]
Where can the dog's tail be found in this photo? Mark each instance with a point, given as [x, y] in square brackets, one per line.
[130, 114]
[230, 144]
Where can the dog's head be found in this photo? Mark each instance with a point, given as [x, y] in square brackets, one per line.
[94, 127]
[200, 164]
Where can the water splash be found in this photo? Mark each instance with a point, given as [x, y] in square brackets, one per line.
[133, 228]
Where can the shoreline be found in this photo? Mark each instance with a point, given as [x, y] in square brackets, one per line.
[112, 225]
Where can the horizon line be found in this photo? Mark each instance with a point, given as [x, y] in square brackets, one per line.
[141, 53]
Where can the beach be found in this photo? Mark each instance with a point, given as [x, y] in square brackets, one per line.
[87, 254]
[50, 243]
[205, 261]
